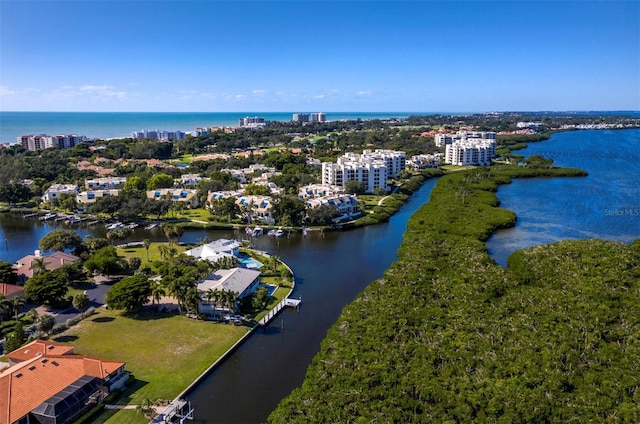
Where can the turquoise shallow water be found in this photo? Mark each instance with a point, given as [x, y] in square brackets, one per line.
[122, 124]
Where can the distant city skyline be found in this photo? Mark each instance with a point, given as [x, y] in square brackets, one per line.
[310, 56]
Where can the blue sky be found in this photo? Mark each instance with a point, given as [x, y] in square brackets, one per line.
[417, 56]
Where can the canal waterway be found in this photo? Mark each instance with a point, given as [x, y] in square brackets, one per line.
[331, 269]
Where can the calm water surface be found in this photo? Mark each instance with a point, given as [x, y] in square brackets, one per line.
[606, 204]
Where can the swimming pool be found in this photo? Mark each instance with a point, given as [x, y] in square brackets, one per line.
[250, 263]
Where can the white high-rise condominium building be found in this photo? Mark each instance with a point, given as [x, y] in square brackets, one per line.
[371, 168]
[318, 117]
[252, 122]
[44, 141]
[300, 117]
[444, 139]
[470, 152]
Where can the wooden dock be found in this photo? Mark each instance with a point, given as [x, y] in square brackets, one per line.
[293, 303]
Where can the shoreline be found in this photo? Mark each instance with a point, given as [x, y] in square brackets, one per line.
[220, 360]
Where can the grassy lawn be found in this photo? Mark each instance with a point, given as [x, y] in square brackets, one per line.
[455, 168]
[165, 353]
[368, 202]
[140, 252]
[201, 214]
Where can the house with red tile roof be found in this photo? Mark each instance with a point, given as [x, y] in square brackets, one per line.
[51, 384]
[52, 261]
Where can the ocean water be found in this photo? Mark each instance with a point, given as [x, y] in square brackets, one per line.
[106, 125]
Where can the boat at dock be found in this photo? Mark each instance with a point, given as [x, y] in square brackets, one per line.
[48, 216]
[115, 226]
[257, 232]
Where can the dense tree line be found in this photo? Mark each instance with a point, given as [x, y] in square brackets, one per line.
[448, 336]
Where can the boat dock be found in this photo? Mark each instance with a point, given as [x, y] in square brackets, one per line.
[177, 411]
[292, 303]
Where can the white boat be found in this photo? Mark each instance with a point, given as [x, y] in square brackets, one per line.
[271, 232]
[115, 226]
[257, 232]
[151, 226]
[48, 216]
[248, 230]
[279, 233]
[133, 225]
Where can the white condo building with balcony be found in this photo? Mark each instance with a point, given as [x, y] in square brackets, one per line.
[470, 152]
[44, 141]
[373, 168]
[442, 140]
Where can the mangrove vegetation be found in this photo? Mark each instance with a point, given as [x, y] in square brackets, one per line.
[449, 336]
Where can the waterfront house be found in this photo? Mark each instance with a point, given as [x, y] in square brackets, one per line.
[216, 250]
[241, 281]
[24, 266]
[347, 206]
[188, 196]
[47, 383]
[90, 196]
[55, 190]
[258, 207]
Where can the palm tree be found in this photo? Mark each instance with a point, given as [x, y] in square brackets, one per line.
[192, 299]
[212, 297]
[5, 305]
[157, 291]
[164, 252]
[38, 266]
[146, 243]
[16, 304]
[275, 261]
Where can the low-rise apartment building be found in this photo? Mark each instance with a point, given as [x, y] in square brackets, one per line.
[188, 196]
[105, 183]
[55, 190]
[90, 196]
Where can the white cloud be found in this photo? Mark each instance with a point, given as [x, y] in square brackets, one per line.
[319, 96]
[365, 93]
[6, 91]
[259, 92]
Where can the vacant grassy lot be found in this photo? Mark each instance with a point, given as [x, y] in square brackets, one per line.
[165, 353]
[140, 252]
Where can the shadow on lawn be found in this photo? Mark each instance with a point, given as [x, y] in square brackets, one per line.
[65, 339]
[103, 319]
[133, 385]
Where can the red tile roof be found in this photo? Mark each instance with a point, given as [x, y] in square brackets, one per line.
[27, 384]
[52, 261]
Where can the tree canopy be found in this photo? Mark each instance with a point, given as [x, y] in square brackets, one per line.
[50, 287]
[449, 336]
[130, 293]
[61, 240]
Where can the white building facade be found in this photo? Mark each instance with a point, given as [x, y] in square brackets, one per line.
[442, 140]
[476, 152]
[54, 191]
[44, 141]
[373, 168]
